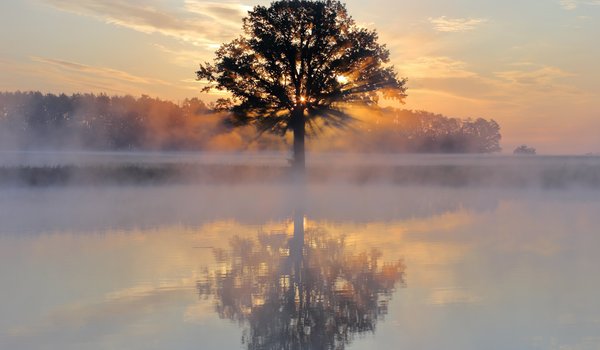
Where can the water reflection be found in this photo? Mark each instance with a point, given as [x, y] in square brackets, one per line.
[489, 270]
[308, 291]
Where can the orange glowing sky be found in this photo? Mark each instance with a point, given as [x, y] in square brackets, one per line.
[532, 66]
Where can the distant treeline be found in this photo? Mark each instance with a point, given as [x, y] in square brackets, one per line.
[400, 130]
[32, 120]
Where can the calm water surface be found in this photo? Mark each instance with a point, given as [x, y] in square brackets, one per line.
[261, 267]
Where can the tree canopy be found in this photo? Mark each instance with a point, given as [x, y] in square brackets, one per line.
[297, 64]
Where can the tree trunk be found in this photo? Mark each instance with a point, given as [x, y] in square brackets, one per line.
[298, 124]
[297, 243]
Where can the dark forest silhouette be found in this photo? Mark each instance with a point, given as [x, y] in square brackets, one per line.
[32, 120]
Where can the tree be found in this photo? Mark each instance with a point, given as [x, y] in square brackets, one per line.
[298, 63]
[524, 149]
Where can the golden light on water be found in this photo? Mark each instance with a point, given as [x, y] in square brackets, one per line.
[459, 261]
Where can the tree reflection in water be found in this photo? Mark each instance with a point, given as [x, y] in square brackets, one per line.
[309, 291]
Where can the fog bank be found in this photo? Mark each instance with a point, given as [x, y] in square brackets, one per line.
[43, 169]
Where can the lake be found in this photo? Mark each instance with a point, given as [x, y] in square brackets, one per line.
[329, 265]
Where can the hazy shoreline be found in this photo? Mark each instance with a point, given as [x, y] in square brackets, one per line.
[147, 168]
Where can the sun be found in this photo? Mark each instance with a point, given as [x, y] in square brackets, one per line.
[342, 79]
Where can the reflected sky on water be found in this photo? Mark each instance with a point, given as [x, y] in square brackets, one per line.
[378, 268]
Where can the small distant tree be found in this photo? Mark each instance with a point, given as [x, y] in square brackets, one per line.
[296, 64]
[524, 149]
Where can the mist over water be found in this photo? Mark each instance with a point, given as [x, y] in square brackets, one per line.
[503, 259]
[34, 168]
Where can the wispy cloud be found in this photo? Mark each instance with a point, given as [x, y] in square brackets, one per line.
[453, 86]
[100, 72]
[225, 13]
[568, 4]
[573, 4]
[434, 67]
[183, 57]
[445, 24]
[67, 76]
[64, 76]
[199, 23]
[545, 76]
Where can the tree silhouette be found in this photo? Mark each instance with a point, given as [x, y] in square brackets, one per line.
[524, 149]
[302, 292]
[296, 65]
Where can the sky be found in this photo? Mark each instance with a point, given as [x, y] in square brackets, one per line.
[531, 65]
